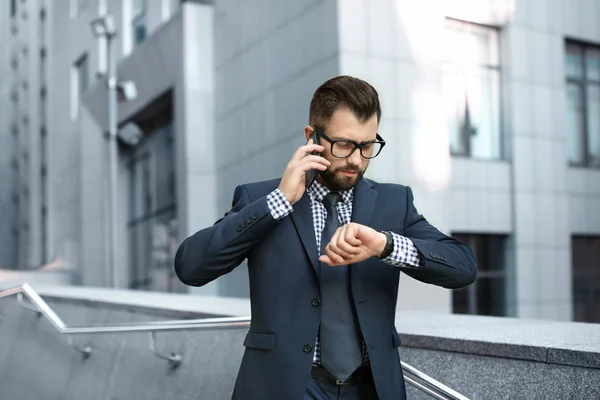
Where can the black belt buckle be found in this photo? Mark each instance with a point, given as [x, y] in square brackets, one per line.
[345, 383]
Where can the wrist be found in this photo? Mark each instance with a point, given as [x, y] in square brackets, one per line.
[388, 246]
[287, 197]
[381, 244]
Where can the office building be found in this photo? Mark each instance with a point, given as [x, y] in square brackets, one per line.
[491, 113]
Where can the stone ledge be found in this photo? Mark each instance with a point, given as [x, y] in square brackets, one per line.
[552, 342]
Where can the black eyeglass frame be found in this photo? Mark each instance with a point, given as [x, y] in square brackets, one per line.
[332, 142]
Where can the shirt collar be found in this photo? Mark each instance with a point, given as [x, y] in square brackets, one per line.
[318, 192]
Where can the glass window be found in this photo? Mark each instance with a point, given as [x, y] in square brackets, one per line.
[81, 5]
[83, 73]
[80, 81]
[582, 70]
[574, 61]
[487, 296]
[174, 6]
[78, 7]
[585, 258]
[152, 212]
[139, 21]
[592, 64]
[471, 87]
[593, 124]
[575, 123]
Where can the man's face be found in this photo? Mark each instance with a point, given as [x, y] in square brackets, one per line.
[345, 173]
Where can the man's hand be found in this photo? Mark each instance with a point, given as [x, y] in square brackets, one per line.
[353, 243]
[294, 177]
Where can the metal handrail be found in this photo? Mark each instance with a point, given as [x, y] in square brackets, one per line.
[412, 375]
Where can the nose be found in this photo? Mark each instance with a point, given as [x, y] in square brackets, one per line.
[355, 158]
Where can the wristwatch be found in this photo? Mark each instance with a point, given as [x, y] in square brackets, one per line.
[389, 245]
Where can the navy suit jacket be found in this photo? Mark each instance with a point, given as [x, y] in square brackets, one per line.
[283, 268]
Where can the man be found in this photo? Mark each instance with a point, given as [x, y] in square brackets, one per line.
[324, 261]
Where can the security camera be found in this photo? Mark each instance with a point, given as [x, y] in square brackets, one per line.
[130, 134]
[127, 90]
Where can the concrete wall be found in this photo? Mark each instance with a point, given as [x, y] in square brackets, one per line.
[38, 363]
[480, 357]
[197, 152]
[24, 44]
[530, 193]
[8, 209]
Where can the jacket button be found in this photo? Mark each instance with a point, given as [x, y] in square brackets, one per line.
[249, 221]
[308, 348]
[255, 216]
[316, 302]
[239, 229]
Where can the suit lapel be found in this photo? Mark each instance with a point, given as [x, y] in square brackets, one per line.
[303, 220]
[363, 203]
[362, 211]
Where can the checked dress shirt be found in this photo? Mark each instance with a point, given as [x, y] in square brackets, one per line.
[404, 253]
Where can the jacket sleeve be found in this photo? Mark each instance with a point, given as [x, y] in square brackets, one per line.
[217, 250]
[446, 261]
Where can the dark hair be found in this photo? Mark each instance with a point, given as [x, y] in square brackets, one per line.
[352, 93]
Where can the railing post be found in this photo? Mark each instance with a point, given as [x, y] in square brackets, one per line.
[174, 359]
[86, 350]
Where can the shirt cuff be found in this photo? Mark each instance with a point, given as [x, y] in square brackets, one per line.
[404, 254]
[278, 204]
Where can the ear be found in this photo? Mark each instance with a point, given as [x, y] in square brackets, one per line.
[308, 131]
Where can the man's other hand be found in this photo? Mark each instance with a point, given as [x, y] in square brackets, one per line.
[353, 243]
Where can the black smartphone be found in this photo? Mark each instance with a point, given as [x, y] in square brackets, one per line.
[311, 174]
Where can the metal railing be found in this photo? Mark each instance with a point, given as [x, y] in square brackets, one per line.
[412, 375]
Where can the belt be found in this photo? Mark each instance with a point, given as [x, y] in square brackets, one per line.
[361, 375]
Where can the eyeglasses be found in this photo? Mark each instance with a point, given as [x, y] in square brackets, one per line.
[344, 148]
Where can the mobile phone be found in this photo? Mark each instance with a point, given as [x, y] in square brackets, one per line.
[311, 174]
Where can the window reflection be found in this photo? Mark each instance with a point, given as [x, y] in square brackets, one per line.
[471, 87]
[582, 70]
[152, 212]
[139, 21]
[575, 124]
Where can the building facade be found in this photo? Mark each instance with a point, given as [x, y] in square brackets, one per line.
[56, 124]
[491, 113]
[8, 208]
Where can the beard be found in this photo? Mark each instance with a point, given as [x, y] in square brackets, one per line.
[336, 181]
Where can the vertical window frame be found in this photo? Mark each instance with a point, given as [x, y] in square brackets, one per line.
[138, 16]
[475, 241]
[77, 89]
